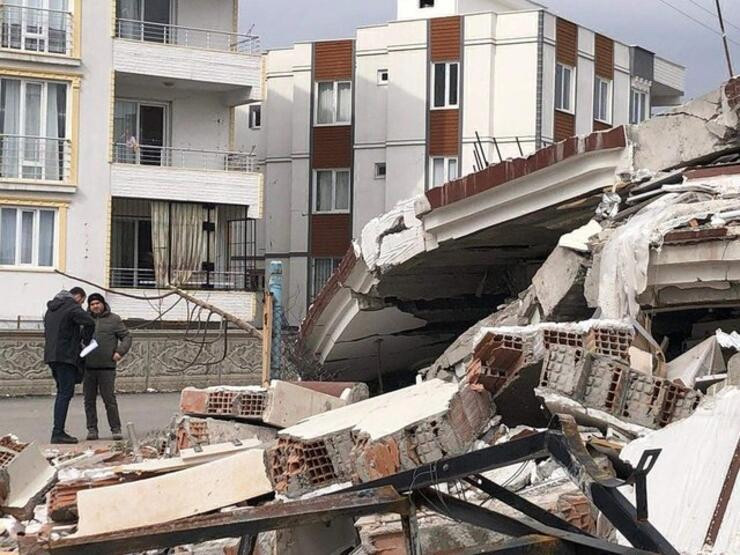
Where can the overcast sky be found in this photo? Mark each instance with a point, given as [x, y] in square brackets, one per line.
[649, 23]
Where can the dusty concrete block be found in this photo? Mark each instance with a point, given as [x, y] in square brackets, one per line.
[287, 404]
[558, 285]
[29, 477]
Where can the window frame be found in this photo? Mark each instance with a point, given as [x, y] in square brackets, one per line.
[609, 100]
[640, 116]
[334, 209]
[433, 81]
[426, 4]
[571, 93]
[35, 248]
[255, 112]
[335, 103]
[446, 170]
[335, 262]
[378, 165]
[382, 82]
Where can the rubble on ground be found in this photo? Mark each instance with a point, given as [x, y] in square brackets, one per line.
[600, 401]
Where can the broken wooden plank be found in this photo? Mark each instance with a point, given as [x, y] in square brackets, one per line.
[237, 523]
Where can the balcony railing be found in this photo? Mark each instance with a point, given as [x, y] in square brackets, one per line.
[38, 158]
[244, 280]
[184, 158]
[36, 30]
[192, 37]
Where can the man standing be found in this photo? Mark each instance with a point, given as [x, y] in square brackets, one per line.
[114, 341]
[66, 327]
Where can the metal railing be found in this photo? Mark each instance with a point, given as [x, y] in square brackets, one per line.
[184, 158]
[166, 33]
[38, 158]
[137, 278]
[36, 30]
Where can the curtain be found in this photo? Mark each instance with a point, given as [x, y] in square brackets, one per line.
[326, 103]
[8, 229]
[11, 23]
[324, 191]
[341, 200]
[344, 91]
[57, 26]
[10, 101]
[131, 10]
[56, 108]
[186, 247]
[46, 238]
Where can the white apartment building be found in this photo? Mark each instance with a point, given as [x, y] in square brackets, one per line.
[118, 154]
[351, 127]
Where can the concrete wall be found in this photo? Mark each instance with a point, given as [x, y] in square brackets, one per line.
[217, 15]
[157, 360]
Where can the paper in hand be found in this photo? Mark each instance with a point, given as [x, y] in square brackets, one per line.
[89, 349]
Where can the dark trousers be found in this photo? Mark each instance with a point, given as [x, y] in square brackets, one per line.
[103, 382]
[65, 376]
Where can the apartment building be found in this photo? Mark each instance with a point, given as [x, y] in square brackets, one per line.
[118, 157]
[351, 127]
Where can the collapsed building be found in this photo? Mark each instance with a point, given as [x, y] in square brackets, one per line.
[566, 329]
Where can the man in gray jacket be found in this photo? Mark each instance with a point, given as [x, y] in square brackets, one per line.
[114, 341]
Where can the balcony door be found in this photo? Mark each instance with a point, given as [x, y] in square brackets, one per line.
[141, 132]
[146, 20]
[131, 253]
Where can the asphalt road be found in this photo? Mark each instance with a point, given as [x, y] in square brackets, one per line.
[30, 418]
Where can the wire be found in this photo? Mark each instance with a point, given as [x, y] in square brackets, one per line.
[697, 21]
[114, 291]
[713, 14]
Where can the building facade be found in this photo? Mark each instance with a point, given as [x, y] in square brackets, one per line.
[352, 127]
[119, 161]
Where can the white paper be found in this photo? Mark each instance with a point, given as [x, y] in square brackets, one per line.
[89, 349]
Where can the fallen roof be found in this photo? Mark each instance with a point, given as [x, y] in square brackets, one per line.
[423, 273]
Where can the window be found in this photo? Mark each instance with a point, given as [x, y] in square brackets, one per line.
[331, 191]
[333, 102]
[602, 100]
[140, 131]
[380, 170]
[445, 84]
[146, 20]
[255, 116]
[27, 236]
[639, 106]
[382, 77]
[323, 268]
[564, 88]
[36, 26]
[443, 169]
[426, 4]
[33, 130]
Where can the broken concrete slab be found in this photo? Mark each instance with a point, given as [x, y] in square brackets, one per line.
[220, 483]
[558, 285]
[578, 239]
[691, 501]
[378, 437]
[29, 477]
[287, 404]
[703, 360]
[191, 431]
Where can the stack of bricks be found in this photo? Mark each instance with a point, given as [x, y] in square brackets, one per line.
[241, 403]
[10, 447]
[345, 450]
[61, 501]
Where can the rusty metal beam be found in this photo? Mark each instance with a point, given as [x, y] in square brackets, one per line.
[234, 524]
[724, 498]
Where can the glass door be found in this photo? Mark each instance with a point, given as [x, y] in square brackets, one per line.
[140, 130]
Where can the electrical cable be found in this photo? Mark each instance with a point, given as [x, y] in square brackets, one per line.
[697, 21]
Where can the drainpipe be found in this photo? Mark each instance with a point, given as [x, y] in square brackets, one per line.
[275, 288]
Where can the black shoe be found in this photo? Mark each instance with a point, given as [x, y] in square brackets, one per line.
[63, 439]
[117, 435]
[92, 435]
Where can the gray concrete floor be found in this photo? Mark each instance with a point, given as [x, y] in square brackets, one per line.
[30, 418]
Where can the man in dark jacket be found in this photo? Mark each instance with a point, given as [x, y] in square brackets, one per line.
[66, 328]
[114, 341]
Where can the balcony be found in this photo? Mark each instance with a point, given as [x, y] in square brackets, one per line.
[217, 57]
[137, 278]
[35, 30]
[186, 174]
[35, 158]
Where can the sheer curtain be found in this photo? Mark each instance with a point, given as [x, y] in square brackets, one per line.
[344, 113]
[185, 250]
[129, 9]
[326, 103]
[57, 26]
[56, 112]
[12, 23]
[10, 103]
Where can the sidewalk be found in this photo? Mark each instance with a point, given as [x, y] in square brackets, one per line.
[30, 418]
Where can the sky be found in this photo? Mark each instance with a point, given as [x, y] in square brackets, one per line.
[653, 24]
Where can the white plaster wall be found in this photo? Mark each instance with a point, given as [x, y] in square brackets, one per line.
[299, 209]
[214, 15]
[585, 81]
[670, 74]
[221, 187]
[548, 92]
[27, 292]
[409, 9]
[405, 173]
[302, 92]
[370, 97]
[241, 304]
[621, 113]
[278, 183]
[192, 64]
[369, 193]
[246, 139]
[277, 113]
